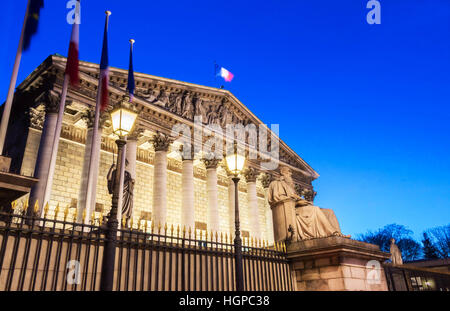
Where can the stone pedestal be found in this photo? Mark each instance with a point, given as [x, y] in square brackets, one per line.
[337, 264]
[5, 164]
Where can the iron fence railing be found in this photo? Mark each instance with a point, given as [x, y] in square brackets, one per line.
[59, 254]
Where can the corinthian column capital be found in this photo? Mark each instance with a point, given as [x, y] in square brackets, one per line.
[211, 161]
[250, 174]
[265, 179]
[161, 142]
[50, 99]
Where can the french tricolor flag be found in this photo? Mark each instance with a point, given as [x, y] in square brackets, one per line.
[104, 71]
[226, 75]
[72, 69]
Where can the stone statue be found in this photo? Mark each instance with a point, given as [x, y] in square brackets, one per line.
[188, 109]
[200, 109]
[295, 218]
[282, 199]
[178, 104]
[128, 189]
[396, 254]
[163, 99]
[212, 115]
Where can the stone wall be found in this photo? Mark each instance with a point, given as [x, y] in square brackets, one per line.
[67, 179]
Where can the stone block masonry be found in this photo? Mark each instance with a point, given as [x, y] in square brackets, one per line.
[67, 182]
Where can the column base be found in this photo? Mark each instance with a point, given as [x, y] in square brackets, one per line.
[337, 264]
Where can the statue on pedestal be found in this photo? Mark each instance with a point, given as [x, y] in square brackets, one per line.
[295, 218]
[396, 254]
[128, 189]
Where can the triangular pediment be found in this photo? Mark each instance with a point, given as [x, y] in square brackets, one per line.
[171, 100]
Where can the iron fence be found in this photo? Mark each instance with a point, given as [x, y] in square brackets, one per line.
[59, 254]
[402, 278]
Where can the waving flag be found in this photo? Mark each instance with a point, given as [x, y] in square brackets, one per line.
[131, 83]
[32, 23]
[73, 59]
[226, 75]
[104, 71]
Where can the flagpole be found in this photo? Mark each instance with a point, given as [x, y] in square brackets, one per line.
[12, 85]
[91, 173]
[124, 152]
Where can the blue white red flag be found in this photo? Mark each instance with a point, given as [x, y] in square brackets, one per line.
[225, 74]
[131, 83]
[32, 22]
[72, 67]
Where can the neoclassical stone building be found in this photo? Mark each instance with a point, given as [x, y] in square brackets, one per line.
[170, 189]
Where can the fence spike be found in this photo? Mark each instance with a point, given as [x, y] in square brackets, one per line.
[145, 225]
[84, 215]
[66, 212]
[124, 221]
[195, 234]
[221, 237]
[56, 211]
[75, 214]
[152, 228]
[93, 218]
[178, 230]
[13, 205]
[217, 236]
[226, 237]
[201, 234]
[46, 208]
[36, 207]
[100, 219]
[159, 227]
[190, 231]
[165, 228]
[184, 231]
[131, 222]
[25, 206]
[171, 230]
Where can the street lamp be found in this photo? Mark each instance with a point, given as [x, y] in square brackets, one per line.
[123, 117]
[235, 163]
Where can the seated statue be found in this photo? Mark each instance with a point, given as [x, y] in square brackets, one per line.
[295, 218]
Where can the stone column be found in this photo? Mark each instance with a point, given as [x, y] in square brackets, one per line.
[187, 188]
[250, 175]
[161, 143]
[266, 179]
[89, 117]
[51, 101]
[211, 188]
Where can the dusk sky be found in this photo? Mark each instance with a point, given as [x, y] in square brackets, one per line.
[367, 106]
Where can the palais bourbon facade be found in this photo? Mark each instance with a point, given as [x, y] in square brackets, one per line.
[195, 193]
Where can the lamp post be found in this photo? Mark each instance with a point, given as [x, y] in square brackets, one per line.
[123, 118]
[235, 164]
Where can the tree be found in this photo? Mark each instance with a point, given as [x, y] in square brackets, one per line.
[429, 249]
[410, 248]
[440, 237]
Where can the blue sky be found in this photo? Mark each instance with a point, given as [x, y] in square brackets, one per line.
[367, 106]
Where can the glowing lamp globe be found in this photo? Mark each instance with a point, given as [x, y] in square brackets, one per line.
[123, 119]
[235, 161]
